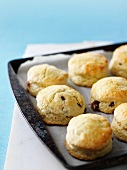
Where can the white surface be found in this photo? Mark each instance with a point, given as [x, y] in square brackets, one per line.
[25, 151]
[36, 49]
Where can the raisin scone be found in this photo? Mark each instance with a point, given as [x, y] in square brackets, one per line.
[118, 63]
[119, 123]
[57, 104]
[106, 94]
[86, 68]
[41, 76]
[89, 136]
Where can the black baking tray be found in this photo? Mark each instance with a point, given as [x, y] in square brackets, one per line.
[39, 127]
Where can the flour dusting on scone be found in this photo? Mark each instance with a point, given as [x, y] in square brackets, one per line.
[118, 63]
[86, 68]
[89, 136]
[44, 75]
[57, 104]
[119, 123]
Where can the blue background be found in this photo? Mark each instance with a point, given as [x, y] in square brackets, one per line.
[51, 21]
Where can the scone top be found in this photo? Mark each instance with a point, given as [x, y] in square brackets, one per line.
[107, 93]
[108, 88]
[57, 104]
[118, 63]
[44, 75]
[89, 58]
[122, 50]
[120, 114]
[88, 131]
[86, 68]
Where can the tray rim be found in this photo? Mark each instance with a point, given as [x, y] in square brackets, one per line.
[13, 66]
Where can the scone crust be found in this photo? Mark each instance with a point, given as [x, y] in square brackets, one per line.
[109, 92]
[118, 63]
[86, 68]
[88, 136]
[57, 104]
[119, 123]
[86, 154]
[41, 76]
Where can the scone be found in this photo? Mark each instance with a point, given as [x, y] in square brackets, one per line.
[118, 63]
[86, 68]
[41, 76]
[89, 136]
[107, 93]
[119, 123]
[57, 104]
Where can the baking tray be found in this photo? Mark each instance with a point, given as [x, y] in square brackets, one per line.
[42, 131]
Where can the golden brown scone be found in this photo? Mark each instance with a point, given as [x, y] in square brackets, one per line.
[89, 136]
[86, 68]
[118, 63]
[57, 104]
[119, 123]
[107, 93]
[41, 76]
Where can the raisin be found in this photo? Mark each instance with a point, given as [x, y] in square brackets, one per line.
[79, 104]
[95, 105]
[69, 117]
[62, 97]
[111, 104]
[28, 84]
